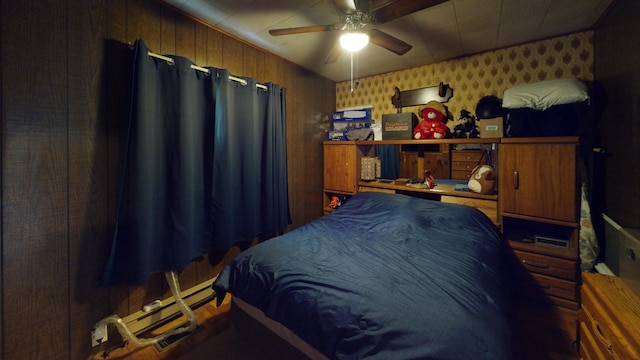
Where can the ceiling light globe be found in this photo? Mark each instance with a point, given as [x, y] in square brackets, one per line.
[354, 41]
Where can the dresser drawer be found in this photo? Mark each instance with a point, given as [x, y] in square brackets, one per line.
[595, 337]
[611, 316]
[460, 175]
[534, 283]
[472, 156]
[590, 348]
[548, 265]
[542, 330]
[463, 166]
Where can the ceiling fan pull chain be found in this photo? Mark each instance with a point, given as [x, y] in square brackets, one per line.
[351, 53]
[357, 69]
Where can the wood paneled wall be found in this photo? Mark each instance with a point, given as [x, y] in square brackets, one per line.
[64, 72]
[617, 68]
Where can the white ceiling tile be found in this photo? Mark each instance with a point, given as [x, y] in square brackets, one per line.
[514, 11]
[466, 9]
[517, 33]
[445, 31]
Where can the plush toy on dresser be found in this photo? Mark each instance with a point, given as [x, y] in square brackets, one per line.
[482, 180]
[466, 127]
[433, 124]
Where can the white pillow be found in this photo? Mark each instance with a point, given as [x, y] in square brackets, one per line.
[544, 94]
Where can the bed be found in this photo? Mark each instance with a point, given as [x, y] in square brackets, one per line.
[385, 276]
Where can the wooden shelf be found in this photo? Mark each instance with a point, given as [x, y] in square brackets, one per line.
[417, 142]
[541, 140]
[440, 189]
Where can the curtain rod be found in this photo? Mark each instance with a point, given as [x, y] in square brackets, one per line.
[205, 70]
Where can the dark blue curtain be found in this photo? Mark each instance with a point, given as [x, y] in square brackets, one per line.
[389, 161]
[249, 196]
[202, 166]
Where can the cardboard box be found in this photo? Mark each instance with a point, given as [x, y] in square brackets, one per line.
[491, 128]
[351, 119]
[352, 115]
[398, 126]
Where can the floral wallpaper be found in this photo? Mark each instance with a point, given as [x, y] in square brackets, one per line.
[475, 76]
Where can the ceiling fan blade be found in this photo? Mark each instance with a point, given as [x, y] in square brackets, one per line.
[388, 42]
[401, 8]
[335, 53]
[301, 30]
[347, 7]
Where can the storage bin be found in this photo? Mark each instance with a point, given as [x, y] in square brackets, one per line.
[398, 126]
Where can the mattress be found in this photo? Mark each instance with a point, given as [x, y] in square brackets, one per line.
[385, 276]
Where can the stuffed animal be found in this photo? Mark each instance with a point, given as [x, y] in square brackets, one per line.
[482, 180]
[432, 126]
[466, 127]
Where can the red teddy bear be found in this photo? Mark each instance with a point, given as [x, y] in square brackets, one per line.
[432, 125]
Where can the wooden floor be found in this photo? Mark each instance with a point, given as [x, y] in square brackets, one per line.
[216, 336]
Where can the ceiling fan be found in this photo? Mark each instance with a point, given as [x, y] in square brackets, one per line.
[360, 16]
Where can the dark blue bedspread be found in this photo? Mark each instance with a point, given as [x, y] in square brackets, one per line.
[385, 276]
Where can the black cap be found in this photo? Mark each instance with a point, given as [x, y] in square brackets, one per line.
[489, 107]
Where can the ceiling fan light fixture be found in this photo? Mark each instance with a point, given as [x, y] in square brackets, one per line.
[354, 41]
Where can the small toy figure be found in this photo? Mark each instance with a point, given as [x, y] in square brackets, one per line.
[336, 201]
[429, 180]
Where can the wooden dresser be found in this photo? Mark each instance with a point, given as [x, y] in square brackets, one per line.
[609, 319]
[538, 190]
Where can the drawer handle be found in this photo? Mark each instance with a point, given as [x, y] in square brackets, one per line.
[516, 180]
[541, 266]
[600, 336]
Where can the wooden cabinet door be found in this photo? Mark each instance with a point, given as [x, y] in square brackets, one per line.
[340, 168]
[412, 165]
[409, 164]
[438, 163]
[539, 180]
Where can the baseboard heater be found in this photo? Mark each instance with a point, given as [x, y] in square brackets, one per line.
[165, 344]
[141, 321]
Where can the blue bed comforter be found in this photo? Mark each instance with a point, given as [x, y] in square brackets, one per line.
[385, 276]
